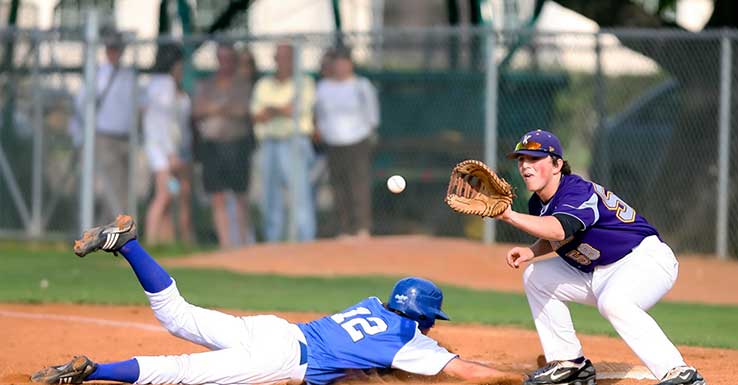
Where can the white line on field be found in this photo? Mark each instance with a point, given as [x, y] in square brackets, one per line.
[89, 320]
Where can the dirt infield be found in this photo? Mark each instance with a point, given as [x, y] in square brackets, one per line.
[448, 260]
[38, 335]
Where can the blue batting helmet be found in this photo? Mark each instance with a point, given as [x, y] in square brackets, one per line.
[418, 299]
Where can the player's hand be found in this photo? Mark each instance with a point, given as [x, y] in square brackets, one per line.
[519, 255]
[505, 216]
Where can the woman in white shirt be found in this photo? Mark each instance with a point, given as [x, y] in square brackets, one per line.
[347, 113]
[168, 142]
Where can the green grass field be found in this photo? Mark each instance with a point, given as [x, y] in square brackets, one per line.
[102, 279]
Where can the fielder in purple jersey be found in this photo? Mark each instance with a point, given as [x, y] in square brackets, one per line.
[266, 349]
[608, 256]
[614, 229]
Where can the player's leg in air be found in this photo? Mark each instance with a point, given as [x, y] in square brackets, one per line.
[209, 328]
[237, 357]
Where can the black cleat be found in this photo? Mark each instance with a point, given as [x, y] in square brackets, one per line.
[683, 375]
[73, 372]
[563, 373]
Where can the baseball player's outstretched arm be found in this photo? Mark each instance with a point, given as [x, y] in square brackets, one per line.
[478, 373]
[546, 227]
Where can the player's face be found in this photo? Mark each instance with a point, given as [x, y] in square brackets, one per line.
[537, 173]
[113, 54]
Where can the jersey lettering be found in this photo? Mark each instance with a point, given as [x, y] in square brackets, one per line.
[624, 212]
[340, 317]
[368, 325]
[584, 254]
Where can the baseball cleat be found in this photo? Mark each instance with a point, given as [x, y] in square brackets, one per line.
[73, 372]
[109, 237]
[563, 373]
[683, 375]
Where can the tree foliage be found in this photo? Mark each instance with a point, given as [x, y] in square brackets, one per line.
[694, 63]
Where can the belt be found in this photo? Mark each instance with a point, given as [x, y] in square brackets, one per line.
[303, 353]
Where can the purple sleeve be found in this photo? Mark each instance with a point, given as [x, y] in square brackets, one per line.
[534, 205]
[579, 202]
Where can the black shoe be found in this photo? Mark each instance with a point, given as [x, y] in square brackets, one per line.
[73, 372]
[683, 375]
[563, 373]
[110, 237]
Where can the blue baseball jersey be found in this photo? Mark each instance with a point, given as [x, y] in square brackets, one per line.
[611, 228]
[367, 336]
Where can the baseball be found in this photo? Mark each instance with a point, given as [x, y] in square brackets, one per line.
[396, 184]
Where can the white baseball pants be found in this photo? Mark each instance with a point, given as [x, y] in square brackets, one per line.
[246, 350]
[622, 291]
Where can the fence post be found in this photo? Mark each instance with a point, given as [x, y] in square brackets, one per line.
[724, 148]
[297, 75]
[38, 141]
[599, 99]
[377, 38]
[133, 141]
[490, 122]
[87, 197]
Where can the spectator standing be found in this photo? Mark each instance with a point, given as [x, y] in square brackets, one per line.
[286, 151]
[347, 114]
[326, 63]
[115, 101]
[319, 173]
[168, 144]
[247, 69]
[221, 113]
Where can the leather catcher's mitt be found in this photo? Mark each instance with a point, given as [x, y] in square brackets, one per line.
[475, 189]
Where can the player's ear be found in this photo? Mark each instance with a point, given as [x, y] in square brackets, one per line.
[558, 164]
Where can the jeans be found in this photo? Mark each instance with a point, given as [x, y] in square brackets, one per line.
[282, 170]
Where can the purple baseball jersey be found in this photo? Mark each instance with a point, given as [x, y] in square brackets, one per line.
[611, 227]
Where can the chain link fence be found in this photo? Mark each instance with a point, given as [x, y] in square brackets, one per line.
[640, 112]
[39, 75]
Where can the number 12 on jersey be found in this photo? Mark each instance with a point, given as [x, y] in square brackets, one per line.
[358, 325]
